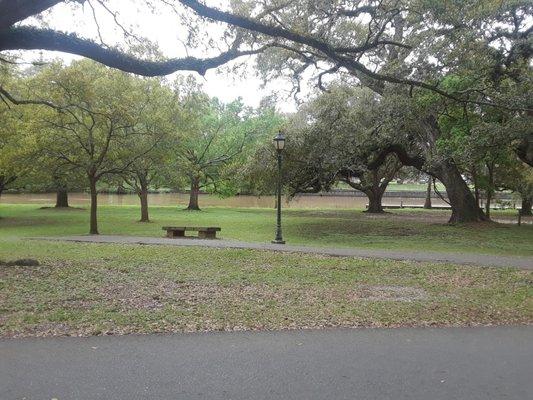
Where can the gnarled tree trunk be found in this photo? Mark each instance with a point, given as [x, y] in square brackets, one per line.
[375, 193]
[374, 201]
[462, 201]
[193, 195]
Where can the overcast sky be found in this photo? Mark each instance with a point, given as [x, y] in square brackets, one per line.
[165, 29]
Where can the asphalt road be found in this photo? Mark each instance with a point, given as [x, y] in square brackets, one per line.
[457, 363]
[482, 260]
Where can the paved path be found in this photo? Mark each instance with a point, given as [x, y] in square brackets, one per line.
[464, 363]
[424, 256]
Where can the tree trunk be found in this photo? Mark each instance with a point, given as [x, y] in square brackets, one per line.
[93, 230]
[527, 204]
[375, 193]
[462, 201]
[487, 203]
[374, 202]
[490, 189]
[193, 196]
[427, 203]
[61, 197]
[143, 195]
[4, 181]
[476, 185]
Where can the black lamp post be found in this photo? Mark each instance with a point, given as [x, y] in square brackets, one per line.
[279, 142]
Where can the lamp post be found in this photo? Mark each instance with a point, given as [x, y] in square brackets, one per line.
[279, 142]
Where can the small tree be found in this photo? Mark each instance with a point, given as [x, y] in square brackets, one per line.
[99, 113]
[212, 135]
[158, 119]
[16, 147]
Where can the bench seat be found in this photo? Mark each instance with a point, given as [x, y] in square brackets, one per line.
[204, 232]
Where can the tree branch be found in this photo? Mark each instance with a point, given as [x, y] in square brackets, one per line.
[17, 10]
[28, 38]
[7, 95]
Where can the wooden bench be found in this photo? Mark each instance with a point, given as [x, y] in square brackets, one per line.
[204, 232]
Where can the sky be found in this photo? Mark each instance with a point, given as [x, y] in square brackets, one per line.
[166, 30]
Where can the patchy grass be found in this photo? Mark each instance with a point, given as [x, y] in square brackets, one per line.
[96, 289]
[401, 229]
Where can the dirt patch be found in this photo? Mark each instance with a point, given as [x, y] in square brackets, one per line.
[70, 208]
[131, 297]
[21, 262]
[25, 272]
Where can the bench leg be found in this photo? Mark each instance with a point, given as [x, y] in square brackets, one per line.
[207, 235]
[175, 234]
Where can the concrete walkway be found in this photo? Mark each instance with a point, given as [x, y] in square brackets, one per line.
[399, 364]
[404, 255]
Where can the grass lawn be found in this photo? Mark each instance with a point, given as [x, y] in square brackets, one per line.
[92, 289]
[400, 229]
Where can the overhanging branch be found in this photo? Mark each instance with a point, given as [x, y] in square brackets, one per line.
[28, 38]
[13, 11]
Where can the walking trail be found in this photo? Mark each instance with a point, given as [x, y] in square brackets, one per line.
[398, 364]
[482, 260]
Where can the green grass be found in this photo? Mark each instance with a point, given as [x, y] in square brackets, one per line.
[93, 289]
[400, 229]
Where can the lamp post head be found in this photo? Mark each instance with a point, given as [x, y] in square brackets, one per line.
[279, 141]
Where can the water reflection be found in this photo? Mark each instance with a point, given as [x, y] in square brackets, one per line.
[206, 200]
